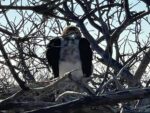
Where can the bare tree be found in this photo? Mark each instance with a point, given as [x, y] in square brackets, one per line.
[116, 29]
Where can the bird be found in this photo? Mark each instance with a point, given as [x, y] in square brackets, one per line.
[70, 52]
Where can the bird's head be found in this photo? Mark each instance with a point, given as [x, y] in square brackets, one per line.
[71, 32]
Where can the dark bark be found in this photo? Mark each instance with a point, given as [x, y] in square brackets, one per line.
[105, 99]
[143, 65]
[15, 75]
[105, 57]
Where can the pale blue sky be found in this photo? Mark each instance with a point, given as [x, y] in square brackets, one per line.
[12, 15]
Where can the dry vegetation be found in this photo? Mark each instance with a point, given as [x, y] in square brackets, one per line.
[118, 31]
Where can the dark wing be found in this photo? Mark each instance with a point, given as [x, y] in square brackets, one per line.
[86, 55]
[53, 55]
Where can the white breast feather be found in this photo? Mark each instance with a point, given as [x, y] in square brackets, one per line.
[70, 58]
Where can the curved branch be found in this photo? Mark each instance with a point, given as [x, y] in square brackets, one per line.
[69, 13]
[114, 64]
[126, 23]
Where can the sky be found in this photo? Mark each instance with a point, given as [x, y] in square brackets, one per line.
[140, 7]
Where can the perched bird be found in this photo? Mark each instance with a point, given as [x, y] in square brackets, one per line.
[70, 52]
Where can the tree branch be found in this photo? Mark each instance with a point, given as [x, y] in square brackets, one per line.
[15, 75]
[126, 23]
[105, 99]
[114, 64]
[47, 9]
[143, 65]
[127, 10]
